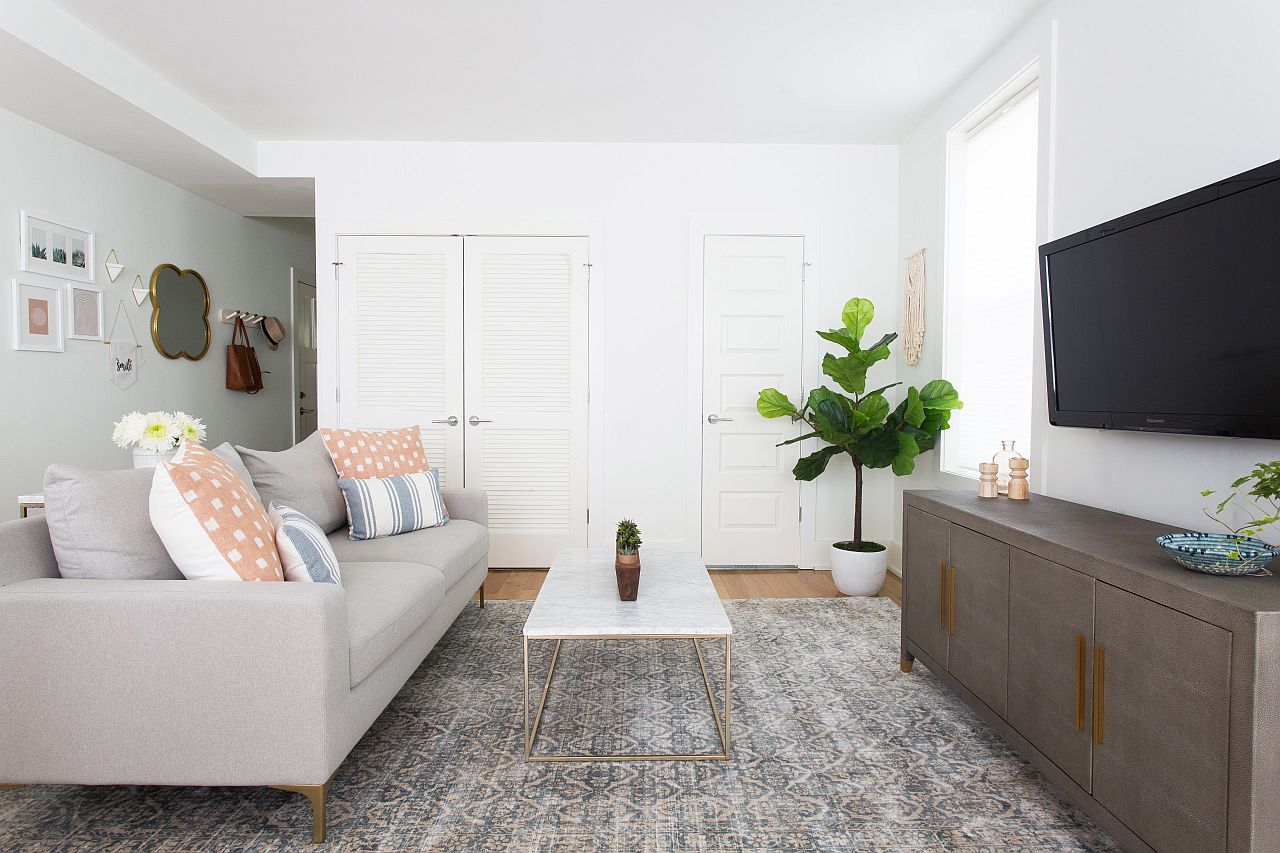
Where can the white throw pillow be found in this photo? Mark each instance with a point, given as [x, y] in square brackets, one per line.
[211, 526]
[386, 506]
[305, 553]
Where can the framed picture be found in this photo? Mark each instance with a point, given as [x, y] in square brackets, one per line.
[37, 316]
[84, 311]
[52, 249]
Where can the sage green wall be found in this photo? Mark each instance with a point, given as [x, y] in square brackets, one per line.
[61, 406]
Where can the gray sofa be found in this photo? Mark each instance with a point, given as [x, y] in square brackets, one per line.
[176, 682]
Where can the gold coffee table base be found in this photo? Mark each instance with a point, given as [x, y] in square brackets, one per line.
[722, 723]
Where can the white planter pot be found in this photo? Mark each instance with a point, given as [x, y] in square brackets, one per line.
[859, 572]
[147, 459]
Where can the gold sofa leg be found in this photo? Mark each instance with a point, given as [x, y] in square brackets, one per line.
[482, 596]
[317, 795]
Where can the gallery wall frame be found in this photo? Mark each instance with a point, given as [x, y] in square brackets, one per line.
[38, 316]
[51, 248]
[84, 311]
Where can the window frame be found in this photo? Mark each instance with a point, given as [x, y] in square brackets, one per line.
[1017, 89]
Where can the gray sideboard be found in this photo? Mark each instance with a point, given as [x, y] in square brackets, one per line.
[1150, 694]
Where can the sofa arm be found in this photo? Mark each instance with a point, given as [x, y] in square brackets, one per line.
[172, 682]
[469, 504]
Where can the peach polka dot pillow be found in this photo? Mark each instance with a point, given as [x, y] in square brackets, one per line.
[212, 526]
[361, 454]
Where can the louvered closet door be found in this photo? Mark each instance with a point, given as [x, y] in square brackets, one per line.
[400, 340]
[526, 393]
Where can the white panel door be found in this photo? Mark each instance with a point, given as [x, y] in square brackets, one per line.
[305, 355]
[400, 341]
[751, 340]
[526, 393]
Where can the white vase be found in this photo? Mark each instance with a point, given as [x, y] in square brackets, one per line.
[859, 572]
[148, 459]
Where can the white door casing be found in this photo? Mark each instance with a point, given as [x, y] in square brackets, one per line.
[302, 335]
[752, 339]
[400, 313]
[526, 391]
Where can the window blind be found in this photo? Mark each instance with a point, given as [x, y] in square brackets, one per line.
[991, 269]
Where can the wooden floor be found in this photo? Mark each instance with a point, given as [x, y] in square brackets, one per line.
[523, 584]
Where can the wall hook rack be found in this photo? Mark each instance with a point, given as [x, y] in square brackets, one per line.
[229, 316]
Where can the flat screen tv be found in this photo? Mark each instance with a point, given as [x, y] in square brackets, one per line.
[1168, 319]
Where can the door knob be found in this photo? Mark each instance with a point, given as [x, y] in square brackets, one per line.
[715, 419]
[474, 421]
[452, 420]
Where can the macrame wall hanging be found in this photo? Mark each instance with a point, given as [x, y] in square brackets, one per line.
[913, 310]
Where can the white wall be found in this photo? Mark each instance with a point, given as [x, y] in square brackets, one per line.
[61, 406]
[639, 203]
[1140, 101]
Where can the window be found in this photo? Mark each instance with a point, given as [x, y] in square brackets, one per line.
[989, 319]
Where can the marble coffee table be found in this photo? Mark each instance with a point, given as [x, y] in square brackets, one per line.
[579, 601]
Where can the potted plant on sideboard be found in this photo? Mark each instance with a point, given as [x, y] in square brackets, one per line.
[627, 561]
[862, 425]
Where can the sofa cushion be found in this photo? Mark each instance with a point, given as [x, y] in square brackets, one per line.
[358, 454]
[100, 525]
[232, 457]
[304, 551]
[453, 548]
[386, 603]
[391, 506]
[302, 477]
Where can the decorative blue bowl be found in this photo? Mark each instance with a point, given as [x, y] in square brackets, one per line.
[1219, 553]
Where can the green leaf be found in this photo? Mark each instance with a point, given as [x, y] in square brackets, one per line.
[940, 394]
[913, 408]
[849, 373]
[857, 315]
[774, 404]
[839, 336]
[831, 422]
[884, 388]
[884, 341]
[875, 408]
[797, 438]
[878, 448]
[905, 462]
[815, 463]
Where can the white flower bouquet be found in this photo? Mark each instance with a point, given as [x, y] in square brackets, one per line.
[157, 432]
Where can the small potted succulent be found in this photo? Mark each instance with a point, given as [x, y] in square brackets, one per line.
[627, 562]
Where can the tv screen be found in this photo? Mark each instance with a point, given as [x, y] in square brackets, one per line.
[1165, 320]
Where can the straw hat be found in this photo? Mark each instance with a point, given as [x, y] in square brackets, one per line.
[273, 331]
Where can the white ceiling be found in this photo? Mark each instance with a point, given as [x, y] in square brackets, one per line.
[838, 71]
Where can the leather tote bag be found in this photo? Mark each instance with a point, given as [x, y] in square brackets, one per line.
[243, 372]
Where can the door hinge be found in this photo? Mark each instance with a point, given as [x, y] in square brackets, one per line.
[804, 271]
[337, 394]
[588, 266]
[588, 515]
[800, 513]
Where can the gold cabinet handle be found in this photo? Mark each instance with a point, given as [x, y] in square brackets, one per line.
[942, 595]
[951, 602]
[1099, 680]
[1080, 655]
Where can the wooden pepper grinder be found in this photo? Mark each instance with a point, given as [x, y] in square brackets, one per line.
[988, 473]
[1018, 488]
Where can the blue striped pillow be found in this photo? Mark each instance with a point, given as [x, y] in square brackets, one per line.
[305, 553]
[387, 506]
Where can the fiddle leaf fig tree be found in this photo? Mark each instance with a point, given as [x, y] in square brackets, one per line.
[861, 423]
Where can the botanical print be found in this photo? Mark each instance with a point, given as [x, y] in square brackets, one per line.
[39, 244]
[58, 250]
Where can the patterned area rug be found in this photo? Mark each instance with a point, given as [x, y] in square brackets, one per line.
[834, 749]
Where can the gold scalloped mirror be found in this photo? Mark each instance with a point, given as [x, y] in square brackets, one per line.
[179, 313]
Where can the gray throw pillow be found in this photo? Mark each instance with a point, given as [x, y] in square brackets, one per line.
[232, 457]
[100, 525]
[302, 477]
